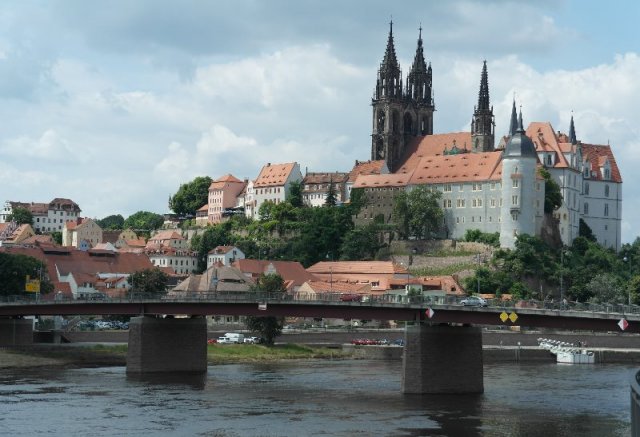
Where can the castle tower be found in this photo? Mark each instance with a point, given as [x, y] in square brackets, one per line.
[418, 118]
[518, 210]
[483, 124]
[387, 138]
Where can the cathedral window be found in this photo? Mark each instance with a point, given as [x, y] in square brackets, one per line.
[606, 191]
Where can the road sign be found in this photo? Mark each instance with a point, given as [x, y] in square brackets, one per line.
[262, 306]
[504, 316]
[429, 312]
[32, 285]
[513, 317]
[623, 324]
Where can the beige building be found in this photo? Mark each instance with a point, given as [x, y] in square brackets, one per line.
[223, 196]
[79, 230]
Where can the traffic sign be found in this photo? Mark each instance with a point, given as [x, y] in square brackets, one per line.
[623, 324]
[429, 312]
[513, 317]
[504, 316]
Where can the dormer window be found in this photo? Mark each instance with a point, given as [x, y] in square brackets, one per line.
[549, 160]
[607, 174]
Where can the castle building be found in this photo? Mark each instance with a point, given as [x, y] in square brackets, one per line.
[483, 186]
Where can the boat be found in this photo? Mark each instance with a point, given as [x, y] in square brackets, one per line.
[567, 353]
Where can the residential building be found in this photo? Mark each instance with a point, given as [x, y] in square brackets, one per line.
[170, 238]
[79, 230]
[364, 168]
[180, 261]
[224, 255]
[47, 217]
[316, 186]
[292, 272]
[223, 196]
[12, 233]
[272, 185]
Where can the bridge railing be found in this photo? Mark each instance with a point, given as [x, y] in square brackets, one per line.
[635, 404]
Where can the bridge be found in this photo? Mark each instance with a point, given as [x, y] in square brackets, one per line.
[443, 341]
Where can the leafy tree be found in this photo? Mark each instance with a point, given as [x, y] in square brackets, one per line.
[14, 269]
[295, 194]
[111, 222]
[633, 289]
[417, 213]
[21, 216]
[212, 237]
[331, 198]
[148, 283]
[268, 327]
[144, 221]
[492, 239]
[57, 237]
[585, 231]
[361, 243]
[606, 288]
[552, 194]
[191, 196]
[357, 200]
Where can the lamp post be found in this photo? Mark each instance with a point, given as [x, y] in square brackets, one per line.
[562, 255]
[625, 259]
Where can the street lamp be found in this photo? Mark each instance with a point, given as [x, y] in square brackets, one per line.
[625, 259]
[562, 253]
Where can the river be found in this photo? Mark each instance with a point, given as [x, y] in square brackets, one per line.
[314, 398]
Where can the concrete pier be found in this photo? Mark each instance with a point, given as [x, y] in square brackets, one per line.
[442, 359]
[16, 332]
[167, 345]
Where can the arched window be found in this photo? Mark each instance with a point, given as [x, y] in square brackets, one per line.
[586, 208]
[380, 121]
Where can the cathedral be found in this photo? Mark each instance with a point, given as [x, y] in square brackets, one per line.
[486, 186]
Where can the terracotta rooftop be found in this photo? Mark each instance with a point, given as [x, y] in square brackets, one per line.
[367, 168]
[382, 180]
[221, 182]
[359, 267]
[219, 250]
[596, 155]
[288, 270]
[325, 178]
[457, 168]
[433, 145]
[274, 175]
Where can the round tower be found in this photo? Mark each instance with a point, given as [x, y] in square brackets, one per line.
[519, 161]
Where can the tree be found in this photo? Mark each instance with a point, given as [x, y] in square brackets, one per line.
[191, 196]
[417, 213]
[331, 199]
[149, 283]
[111, 222]
[14, 269]
[144, 221]
[606, 288]
[361, 243]
[295, 194]
[268, 327]
[585, 231]
[21, 216]
[57, 237]
[552, 194]
[212, 237]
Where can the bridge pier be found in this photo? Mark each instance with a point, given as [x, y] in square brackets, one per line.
[16, 331]
[442, 359]
[167, 345]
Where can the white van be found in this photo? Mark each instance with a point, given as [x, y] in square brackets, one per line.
[235, 337]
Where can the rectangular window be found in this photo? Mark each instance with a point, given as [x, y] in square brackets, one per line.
[516, 183]
[457, 219]
[447, 188]
[474, 203]
[461, 187]
[480, 219]
[514, 199]
[493, 185]
[479, 203]
[492, 202]
[606, 210]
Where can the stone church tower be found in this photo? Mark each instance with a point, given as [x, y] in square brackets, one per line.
[483, 122]
[400, 115]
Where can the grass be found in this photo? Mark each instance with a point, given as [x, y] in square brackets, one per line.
[445, 270]
[221, 354]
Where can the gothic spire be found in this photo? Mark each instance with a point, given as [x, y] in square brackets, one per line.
[483, 94]
[520, 125]
[390, 61]
[513, 126]
[418, 85]
[572, 132]
[389, 84]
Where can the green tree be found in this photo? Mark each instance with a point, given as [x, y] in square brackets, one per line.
[57, 237]
[295, 194]
[148, 283]
[633, 289]
[191, 196]
[331, 198]
[212, 237]
[417, 213]
[267, 327]
[21, 215]
[585, 231]
[361, 243]
[552, 194]
[144, 221]
[111, 222]
[357, 200]
[606, 288]
[14, 269]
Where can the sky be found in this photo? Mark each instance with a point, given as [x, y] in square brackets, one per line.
[115, 104]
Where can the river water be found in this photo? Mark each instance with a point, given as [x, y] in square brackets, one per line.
[314, 398]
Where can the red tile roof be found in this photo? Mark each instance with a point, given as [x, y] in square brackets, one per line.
[288, 270]
[382, 180]
[274, 175]
[221, 182]
[366, 168]
[596, 154]
[433, 145]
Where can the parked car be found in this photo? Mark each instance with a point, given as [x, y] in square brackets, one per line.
[225, 340]
[252, 340]
[474, 301]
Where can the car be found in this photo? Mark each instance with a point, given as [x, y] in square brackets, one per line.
[474, 301]
[252, 340]
[225, 340]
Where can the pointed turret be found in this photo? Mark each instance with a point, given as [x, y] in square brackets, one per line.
[482, 123]
[513, 125]
[389, 83]
[419, 78]
[572, 132]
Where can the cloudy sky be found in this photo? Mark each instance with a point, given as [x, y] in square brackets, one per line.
[114, 104]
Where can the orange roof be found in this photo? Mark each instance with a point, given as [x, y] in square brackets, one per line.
[340, 286]
[546, 140]
[366, 168]
[222, 249]
[274, 174]
[433, 145]
[597, 154]
[220, 183]
[382, 180]
[457, 168]
[325, 178]
[167, 235]
[360, 267]
[288, 270]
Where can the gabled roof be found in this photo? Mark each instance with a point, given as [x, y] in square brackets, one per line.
[217, 278]
[274, 175]
[325, 178]
[432, 145]
[288, 270]
[221, 250]
[457, 168]
[382, 180]
[546, 140]
[367, 168]
[343, 286]
[167, 235]
[221, 182]
[596, 154]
